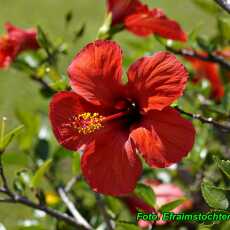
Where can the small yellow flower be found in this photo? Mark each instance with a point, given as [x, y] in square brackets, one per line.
[52, 198]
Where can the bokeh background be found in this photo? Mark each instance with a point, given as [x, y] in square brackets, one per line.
[16, 91]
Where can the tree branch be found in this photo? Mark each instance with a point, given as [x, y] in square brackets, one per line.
[101, 206]
[224, 4]
[209, 120]
[71, 183]
[211, 57]
[72, 209]
[5, 189]
[42, 83]
[16, 198]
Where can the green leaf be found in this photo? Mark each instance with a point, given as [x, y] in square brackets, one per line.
[22, 181]
[215, 197]
[208, 5]
[126, 226]
[172, 205]
[21, 65]
[69, 16]
[37, 178]
[224, 27]
[79, 33]
[31, 121]
[146, 194]
[43, 41]
[206, 44]
[224, 165]
[16, 158]
[9, 137]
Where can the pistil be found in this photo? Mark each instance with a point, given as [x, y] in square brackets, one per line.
[87, 123]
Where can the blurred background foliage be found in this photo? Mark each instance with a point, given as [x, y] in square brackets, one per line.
[29, 161]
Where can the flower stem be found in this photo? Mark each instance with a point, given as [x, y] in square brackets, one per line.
[3, 126]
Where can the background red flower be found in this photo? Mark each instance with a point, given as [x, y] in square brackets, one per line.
[15, 41]
[140, 20]
[209, 71]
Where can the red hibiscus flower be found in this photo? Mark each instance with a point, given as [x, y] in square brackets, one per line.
[111, 119]
[140, 20]
[165, 193]
[15, 41]
[210, 71]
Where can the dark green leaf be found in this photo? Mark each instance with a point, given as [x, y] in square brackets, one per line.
[224, 165]
[206, 44]
[79, 33]
[42, 38]
[22, 181]
[69, 16]
[214, 196]
[172, 205]
[146, 194]
[42, 149]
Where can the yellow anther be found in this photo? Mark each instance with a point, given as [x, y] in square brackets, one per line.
[87, 123]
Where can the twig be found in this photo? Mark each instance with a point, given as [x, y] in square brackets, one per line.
[5, 189]
[52, 212]
[211, 57]
[16, 198]
[209, 120]
[71, 183]
[42, 83]
[101, 206]
[224, 4]
[72, 209]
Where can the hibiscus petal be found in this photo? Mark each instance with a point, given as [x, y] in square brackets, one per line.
[156, 81]
[8, 52]
[163, 137]
[110, 164]
[122, 8]
[96, 72]
[63, 107]
[25, 38]
[154, 22]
